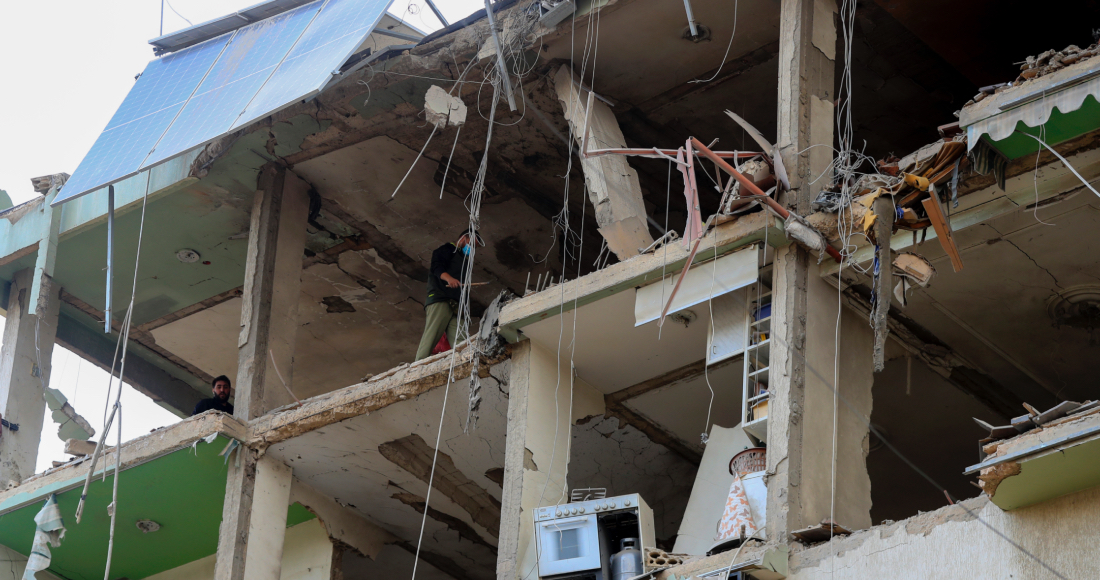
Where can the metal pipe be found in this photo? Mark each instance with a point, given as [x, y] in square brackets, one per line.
[691, 19]
[110, 256]
[400, 35]
[753, 189]
[652, 152]
[504, 79]
[438, 14]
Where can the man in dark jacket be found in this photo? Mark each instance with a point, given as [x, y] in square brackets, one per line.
[220, 400]
[448, 274]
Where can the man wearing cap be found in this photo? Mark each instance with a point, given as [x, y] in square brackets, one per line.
[444, 291]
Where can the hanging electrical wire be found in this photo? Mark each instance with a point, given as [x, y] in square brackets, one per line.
[722, 64]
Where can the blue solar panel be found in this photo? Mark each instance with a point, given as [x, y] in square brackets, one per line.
[253, 54]
[146, 112]
[202, 92]
[338, 30]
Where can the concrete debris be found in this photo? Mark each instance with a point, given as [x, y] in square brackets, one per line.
[70, 424]
[553, 12]
[440, 108]
[1039, 66]
[805, 235]
[1033, 419]
[486, 343]
[821, 532]
[911, 269]
[44, 183]
[992, 477]
[80, 447]
[755, 169]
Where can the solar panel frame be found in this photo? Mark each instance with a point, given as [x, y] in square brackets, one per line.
[293, 81]
[142, 118]
[307, 68]
[246, 63]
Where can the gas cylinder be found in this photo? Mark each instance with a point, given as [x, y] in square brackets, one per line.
[627, 563]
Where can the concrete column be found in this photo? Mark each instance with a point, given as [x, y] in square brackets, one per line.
[804, 310]
[24, 373]
[536, 454]
[250, 540]
[272, 286]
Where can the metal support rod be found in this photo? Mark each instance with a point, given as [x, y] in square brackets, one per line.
[110, 257]
[437, 13]
[501, 66]
[654, 153]
[691, 19]
[399, 35]
[753, 189]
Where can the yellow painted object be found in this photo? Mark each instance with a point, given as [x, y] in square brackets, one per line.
[760, 410]
[917, 181]
[869, 217]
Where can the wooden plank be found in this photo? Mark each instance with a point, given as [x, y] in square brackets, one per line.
[943, 229]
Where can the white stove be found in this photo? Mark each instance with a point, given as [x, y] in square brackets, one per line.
[579, 537]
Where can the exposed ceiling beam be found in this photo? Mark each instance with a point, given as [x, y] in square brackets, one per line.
[684, 373]
[655, 432]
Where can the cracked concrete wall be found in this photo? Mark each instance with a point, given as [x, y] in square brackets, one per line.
[951, 542]
[17, 563]
[343, 461]
[607, 453]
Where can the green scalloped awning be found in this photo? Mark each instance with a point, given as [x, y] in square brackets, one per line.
[1059, 127]
[1055, 108]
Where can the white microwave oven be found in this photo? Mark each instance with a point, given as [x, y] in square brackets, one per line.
[579, 537]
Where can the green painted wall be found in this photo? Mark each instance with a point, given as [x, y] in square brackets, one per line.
[182, 491]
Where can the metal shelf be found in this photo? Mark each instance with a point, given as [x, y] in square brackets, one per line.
[755, 370]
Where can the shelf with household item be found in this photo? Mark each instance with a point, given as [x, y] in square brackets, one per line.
[759, 354]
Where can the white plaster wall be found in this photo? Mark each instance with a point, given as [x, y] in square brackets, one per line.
[307, 555]
[201, 569]
[710, 491]
[307, 552]
[548, 433]
[206, 339]
[12, 565]
[949, 543]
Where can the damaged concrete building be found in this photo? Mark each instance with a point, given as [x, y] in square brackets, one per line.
[781, 290]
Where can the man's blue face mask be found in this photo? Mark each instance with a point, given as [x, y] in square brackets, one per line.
[466, 250]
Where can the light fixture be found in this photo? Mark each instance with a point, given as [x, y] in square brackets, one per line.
[1077, 307]
[147, 526]
[188, 256]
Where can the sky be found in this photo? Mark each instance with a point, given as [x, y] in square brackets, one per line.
[65, 66]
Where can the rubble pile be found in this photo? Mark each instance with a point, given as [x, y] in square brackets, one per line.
[1038, 66]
